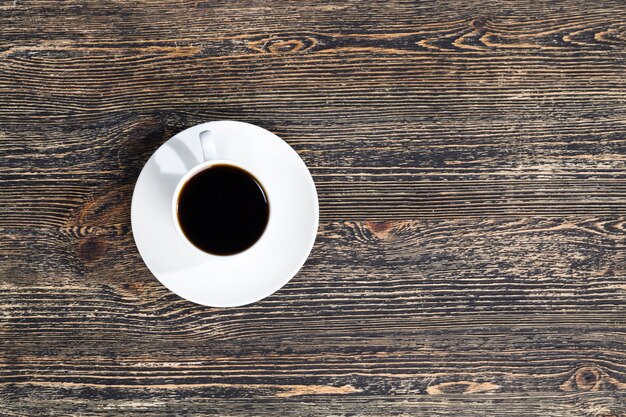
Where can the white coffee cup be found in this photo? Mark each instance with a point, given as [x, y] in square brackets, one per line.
[211, 158]
[247, 276]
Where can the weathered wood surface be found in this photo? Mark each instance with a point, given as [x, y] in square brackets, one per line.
[470, 160]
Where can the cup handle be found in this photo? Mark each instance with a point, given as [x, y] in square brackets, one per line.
[208, 145]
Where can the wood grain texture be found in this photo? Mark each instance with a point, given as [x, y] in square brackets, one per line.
[470, 161]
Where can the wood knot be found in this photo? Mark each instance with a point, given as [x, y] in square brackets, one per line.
[381, 230]
[91, 249]
[283, 45]
[286, 46]
[111, 206]
[461, 387]
[139, 287]
[479, 23]
[587, 378]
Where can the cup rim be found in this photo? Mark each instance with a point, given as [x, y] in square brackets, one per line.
[183, 180]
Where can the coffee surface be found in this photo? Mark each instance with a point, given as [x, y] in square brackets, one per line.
[223, 210]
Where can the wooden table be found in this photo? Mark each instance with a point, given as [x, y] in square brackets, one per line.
[470, 160]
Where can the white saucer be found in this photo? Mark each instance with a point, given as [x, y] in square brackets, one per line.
[259, 271]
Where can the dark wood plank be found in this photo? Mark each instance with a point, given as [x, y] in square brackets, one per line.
[471, 165]
[455, 308]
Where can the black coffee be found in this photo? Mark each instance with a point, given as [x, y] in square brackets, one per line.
[223, 210]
